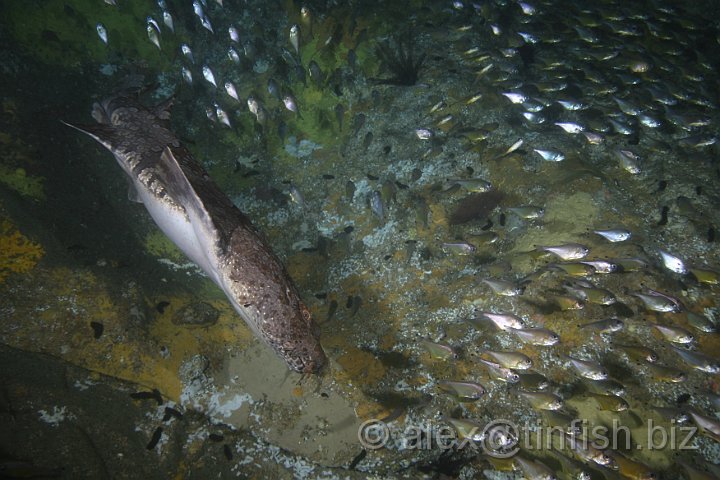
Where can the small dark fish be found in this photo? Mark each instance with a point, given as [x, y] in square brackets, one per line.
[299, 72]
[367, 140]
[161, 306]
[358, 122]
[155, 438]
[663, 216]
[350, 190]
[339, 114]
[358, 458]
[273, 89]
[332, 308]
[216, 437]
[352, 59]
[281, 130]
[97, 329]
[356, 303]
[376, 98]
[170, 413]
[154, 395]
[316, 73]
[377, 207]
[227, 452]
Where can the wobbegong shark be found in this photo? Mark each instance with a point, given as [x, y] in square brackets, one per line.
[201, 220]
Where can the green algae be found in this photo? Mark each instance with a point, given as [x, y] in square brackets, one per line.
[18, 180]
[62, 33]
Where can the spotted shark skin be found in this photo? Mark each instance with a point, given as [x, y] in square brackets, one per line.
[202, 221]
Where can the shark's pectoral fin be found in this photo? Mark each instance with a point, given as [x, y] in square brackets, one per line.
[180, 188]
[105, 134]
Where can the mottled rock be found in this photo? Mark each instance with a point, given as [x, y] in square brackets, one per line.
[196, 314]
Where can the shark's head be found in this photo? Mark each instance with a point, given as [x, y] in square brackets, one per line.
[265, 297]
[304, 353]
[288, 327]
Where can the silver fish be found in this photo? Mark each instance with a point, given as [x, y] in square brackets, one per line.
[698, 360]
[572, 105]
[439, 351]
[659, 302]
[233, 56]
[290, 103]
[512, 148]
[295, 38]
[516, 97]
[153, 35]
[514, 360]
[209, 75]
[673, 263]
[503, 321]
[614, 235]
[424, 133]
[629, 161]
[197, 8]
[708, 425]
[155, 24]
[102, 32]
[503, 287]
[230, 89]
[610, 325]
[168, 21]
[187, 75]
[205, 22]
[537, 336]
[463, 390]
[462, 248]
[499, 372]
[570, 127]
[534, 469]
[675, 334]
[253, 105]
[376, 205]
[568, 251]
[295, 194]
[700, 322]
[543, 400]
[528, 212]
[550, 155]
[234, 34]
[210, 113]
[222, 116]
[185, 49]
[474, 185]
[588, 369]
[602, 266]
